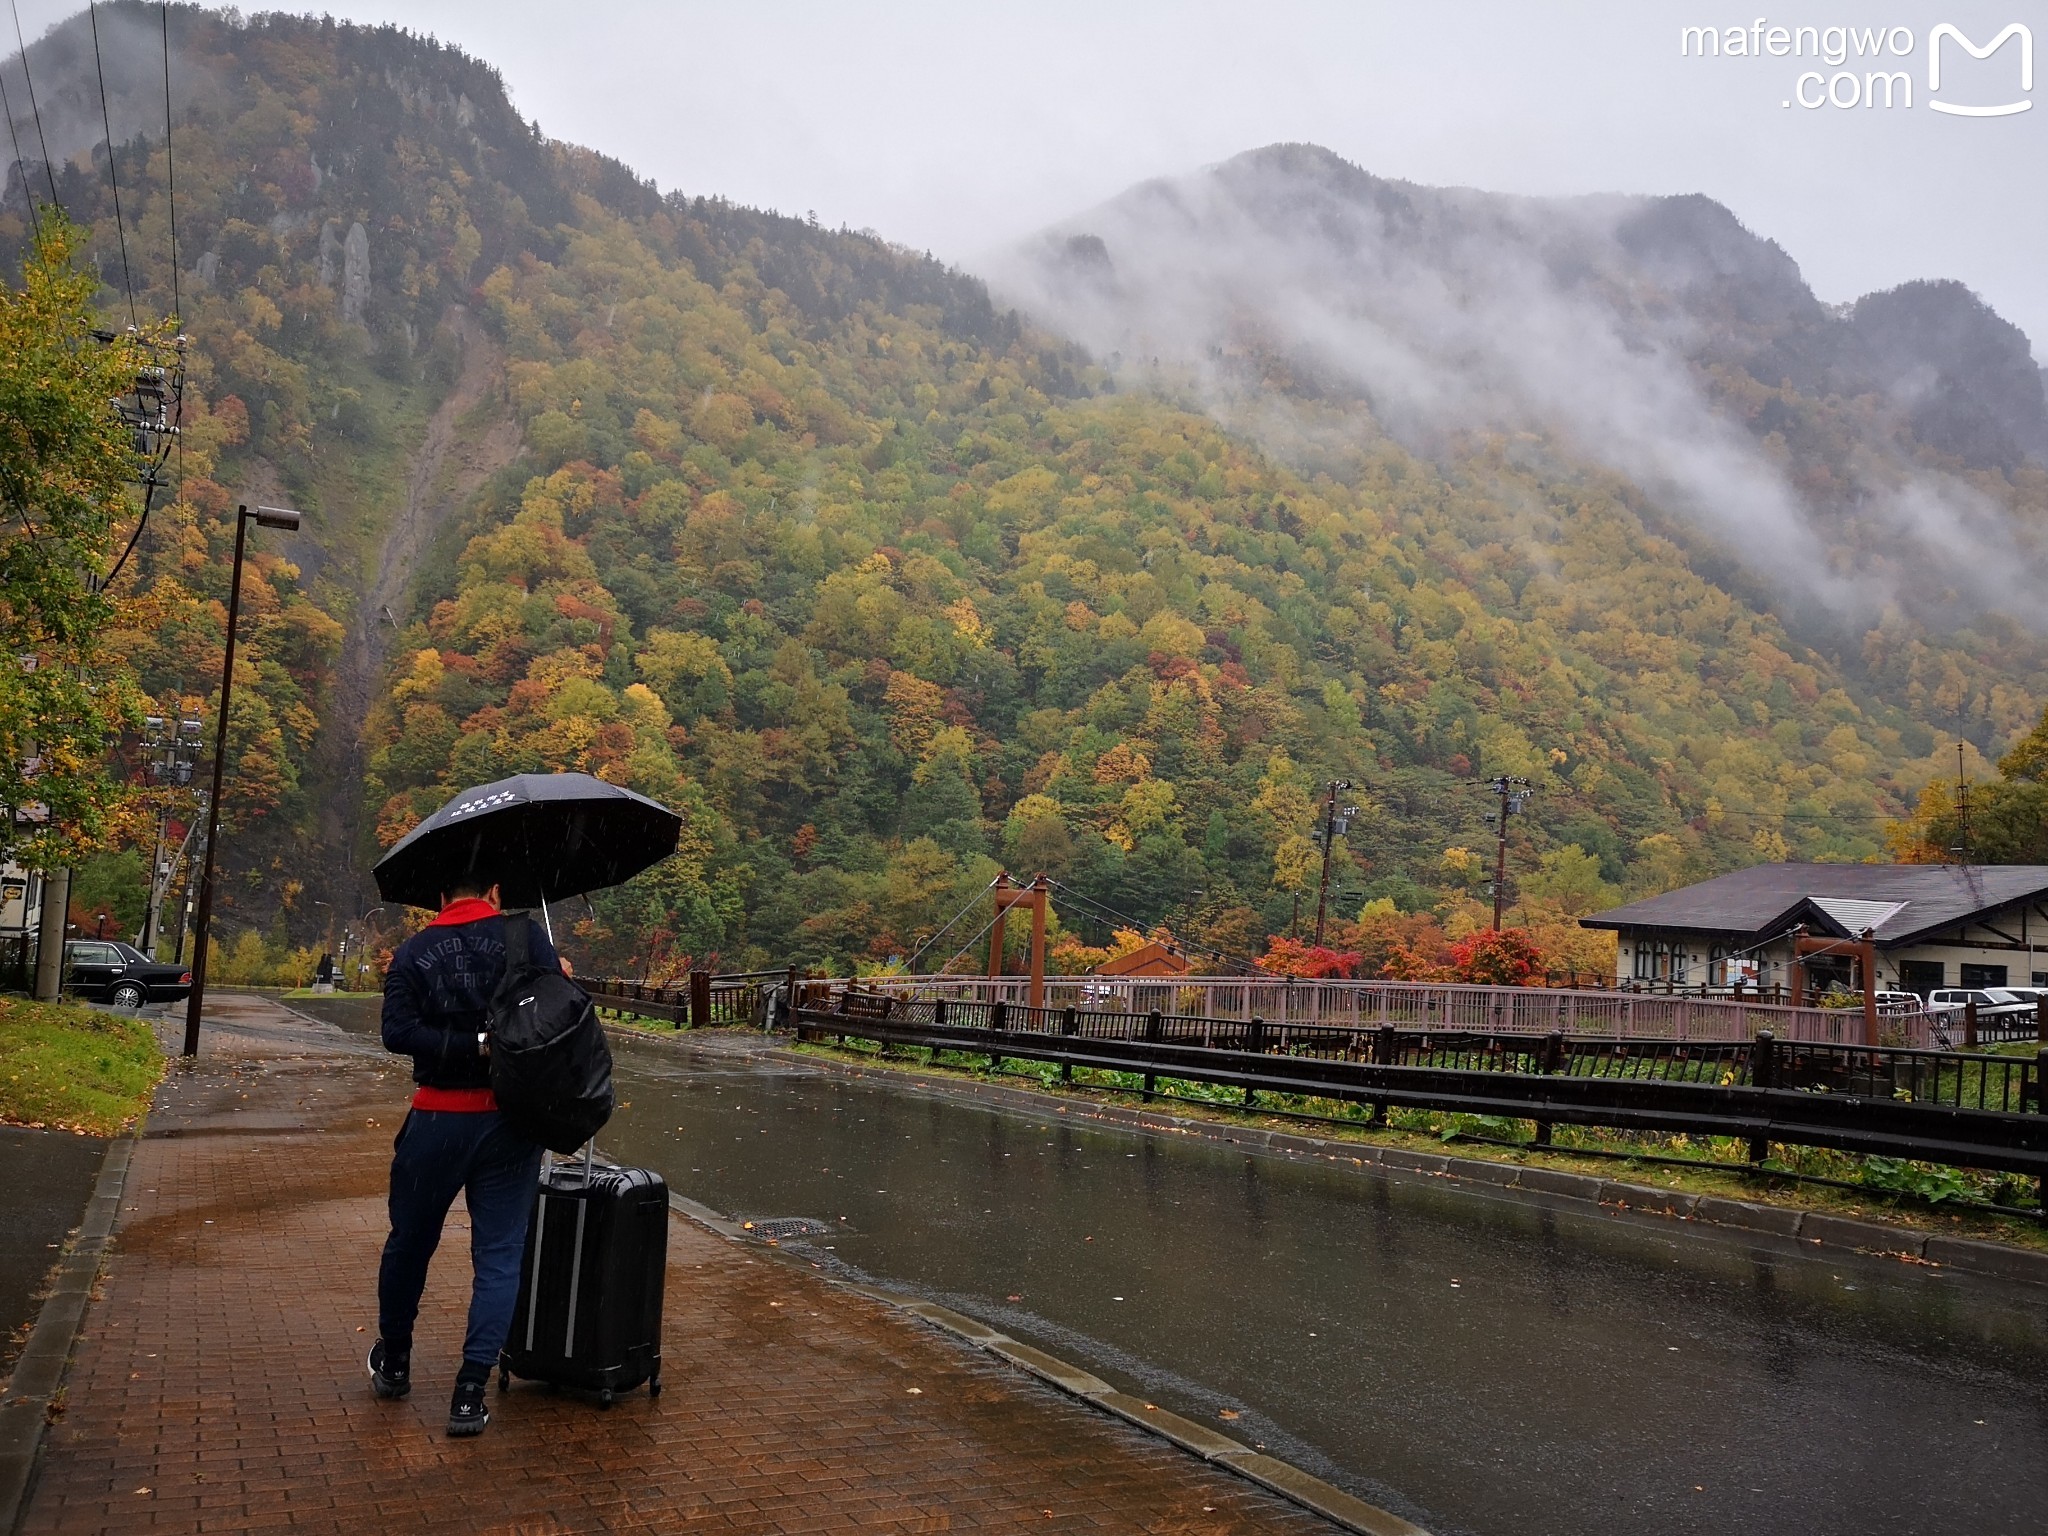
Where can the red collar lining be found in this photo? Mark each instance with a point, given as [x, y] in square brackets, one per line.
[464, 909]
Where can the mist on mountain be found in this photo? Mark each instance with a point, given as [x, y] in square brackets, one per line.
[58, 113]
[1836, 455]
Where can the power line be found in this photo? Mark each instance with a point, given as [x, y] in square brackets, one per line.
[171, 182]
[163, 386]
[107, 120]
[49, 174]
[35, 219]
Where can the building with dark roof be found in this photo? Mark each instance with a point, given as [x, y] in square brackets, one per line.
[1933, 925]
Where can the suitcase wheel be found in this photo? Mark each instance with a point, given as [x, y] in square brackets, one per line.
[504, 1378]
[654, 1387]
[604, 1398]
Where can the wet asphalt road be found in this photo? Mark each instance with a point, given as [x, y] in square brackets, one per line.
[1474, 1362]
[46, 1181]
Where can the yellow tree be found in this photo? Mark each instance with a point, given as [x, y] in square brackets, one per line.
[65, 465]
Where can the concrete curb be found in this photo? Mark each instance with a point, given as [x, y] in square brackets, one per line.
[1811, 1228]
[1276, 1476]
[39, 1373]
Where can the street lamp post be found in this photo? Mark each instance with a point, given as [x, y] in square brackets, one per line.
[348, 933]
[265, 517]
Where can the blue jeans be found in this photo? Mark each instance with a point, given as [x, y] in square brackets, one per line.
[437, 1153]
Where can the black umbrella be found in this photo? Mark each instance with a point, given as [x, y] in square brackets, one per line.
[537, 836]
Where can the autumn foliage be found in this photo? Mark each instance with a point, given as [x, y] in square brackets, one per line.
[803, 534]
[1310, 962]
[1415, 949]
[1503, 957]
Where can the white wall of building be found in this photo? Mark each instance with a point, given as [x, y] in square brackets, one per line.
[1774, 961]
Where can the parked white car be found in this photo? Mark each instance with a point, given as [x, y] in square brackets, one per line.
[2027, 994]
[1992, 1002]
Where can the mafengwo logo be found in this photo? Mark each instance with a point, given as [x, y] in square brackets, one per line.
[1866, 67]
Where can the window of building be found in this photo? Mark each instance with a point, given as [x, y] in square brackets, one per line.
[1658, 960]
[1983, 975]
[1922, 976]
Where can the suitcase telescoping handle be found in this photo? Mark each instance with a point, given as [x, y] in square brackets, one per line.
[540, 1227]
[589, 1159]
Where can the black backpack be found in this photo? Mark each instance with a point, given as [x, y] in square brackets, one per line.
[551, 1068]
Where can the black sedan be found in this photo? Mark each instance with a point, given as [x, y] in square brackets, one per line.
[108, 971]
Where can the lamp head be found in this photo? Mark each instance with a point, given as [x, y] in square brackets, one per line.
[278, 517]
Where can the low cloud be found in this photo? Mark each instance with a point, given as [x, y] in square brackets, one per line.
[1288, 274]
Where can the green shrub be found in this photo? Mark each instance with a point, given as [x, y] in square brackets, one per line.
[73, 1068]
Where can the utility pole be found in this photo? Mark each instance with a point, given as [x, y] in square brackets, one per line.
[1335, 825]
[53, 909]
[1513, 794]
[56, 907]
[173, 751]
[1961, 847]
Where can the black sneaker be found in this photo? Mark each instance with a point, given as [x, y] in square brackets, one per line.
[468, 1413]
[390, 1370]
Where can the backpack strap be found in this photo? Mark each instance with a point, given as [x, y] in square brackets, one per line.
[517, 951]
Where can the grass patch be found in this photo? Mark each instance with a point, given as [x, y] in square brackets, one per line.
[74, 1069]
[1917, 1195]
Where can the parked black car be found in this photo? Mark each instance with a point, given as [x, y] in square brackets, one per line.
[108, 971]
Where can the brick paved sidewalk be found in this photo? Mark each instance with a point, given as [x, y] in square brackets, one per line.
[219, 1383]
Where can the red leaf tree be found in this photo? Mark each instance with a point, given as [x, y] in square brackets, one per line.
[1311, 962]
[1497, 957]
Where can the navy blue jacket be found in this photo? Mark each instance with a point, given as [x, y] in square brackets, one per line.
[437, 991]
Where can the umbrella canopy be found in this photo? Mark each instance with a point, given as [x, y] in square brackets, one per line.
[538, 836]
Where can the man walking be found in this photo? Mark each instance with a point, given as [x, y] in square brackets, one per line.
[436, 995]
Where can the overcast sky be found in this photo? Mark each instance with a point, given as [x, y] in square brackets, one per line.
[957, 126]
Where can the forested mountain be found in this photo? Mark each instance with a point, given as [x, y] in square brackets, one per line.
[885, 586]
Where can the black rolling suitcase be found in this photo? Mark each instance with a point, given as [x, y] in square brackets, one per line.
[590, 1285]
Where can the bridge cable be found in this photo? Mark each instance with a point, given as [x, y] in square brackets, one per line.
[964, 948]
[928, 943]
[1105, 912]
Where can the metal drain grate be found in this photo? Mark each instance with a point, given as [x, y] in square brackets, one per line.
[782, 1228]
